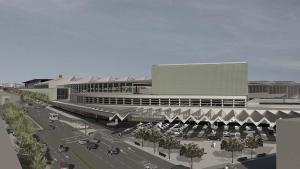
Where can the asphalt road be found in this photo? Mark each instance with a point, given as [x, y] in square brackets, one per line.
[129, 158]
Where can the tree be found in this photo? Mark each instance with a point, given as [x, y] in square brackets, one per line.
[253, 143]
[169, 142]
[154, 137]
[30, 151]
[191, 151]
[232, 145]
[141, 134]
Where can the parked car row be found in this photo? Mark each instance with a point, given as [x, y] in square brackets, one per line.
[207, 131]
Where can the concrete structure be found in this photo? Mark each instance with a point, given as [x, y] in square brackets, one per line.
[213, 79]
[288, 140]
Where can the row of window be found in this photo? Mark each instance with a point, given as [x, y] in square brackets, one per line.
[162, 101]
[105, 87]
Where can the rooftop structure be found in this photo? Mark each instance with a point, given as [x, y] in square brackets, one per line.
[29, 84]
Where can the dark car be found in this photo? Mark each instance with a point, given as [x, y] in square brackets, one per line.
[62, 148]
[213, 137]
[52, 126]
[9, 131]
[36, 137]
[261, 155]
[65, 165]
[48, 156]
[242, 159]
[90, 146]
[180, 167]
[114, 151]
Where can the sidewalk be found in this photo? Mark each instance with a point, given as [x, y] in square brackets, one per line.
[213, 157]
[9, 157]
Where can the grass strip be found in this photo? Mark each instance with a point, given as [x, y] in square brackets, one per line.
[85, 162]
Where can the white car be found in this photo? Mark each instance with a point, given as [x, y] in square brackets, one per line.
[83, 141]
[53, 116]
[81, 126]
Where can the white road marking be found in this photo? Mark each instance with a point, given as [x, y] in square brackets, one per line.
[41, 128]
[129, 148]
[67, 138]
[106, 144]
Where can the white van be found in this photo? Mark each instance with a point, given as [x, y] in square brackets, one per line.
[53, 116]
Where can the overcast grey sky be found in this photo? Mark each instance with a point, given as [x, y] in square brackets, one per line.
[125, 37]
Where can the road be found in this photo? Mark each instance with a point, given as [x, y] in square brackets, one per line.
[129, 158]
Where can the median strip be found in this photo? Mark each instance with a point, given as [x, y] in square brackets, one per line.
[83, 161]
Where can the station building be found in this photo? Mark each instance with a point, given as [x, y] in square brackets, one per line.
[209, 92]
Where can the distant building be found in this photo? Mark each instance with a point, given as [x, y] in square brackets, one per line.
[12, 85]
[274, 90]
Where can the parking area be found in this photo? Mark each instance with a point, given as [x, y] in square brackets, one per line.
[205, 131]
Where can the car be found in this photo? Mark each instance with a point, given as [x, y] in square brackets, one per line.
[213, 137]
[65, 165]
[94, 140]
[90, 146]
[36, 137]
[150, 166]
[48, 156]
[114, 151]
[261, 155]
[52, 126]
[242, 159]
[62, 148]
[179, 167]
[83, 141]
[9, 131]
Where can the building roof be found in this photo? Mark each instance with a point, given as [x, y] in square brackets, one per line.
[211, 115]
[92, 79]
[32, 80]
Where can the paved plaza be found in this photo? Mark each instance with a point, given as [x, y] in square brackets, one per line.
[214, 156]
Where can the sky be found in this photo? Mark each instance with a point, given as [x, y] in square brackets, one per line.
[41, 39]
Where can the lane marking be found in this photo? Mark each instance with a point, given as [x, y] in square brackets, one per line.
[67, 138]
[129, 148]
[41, 128]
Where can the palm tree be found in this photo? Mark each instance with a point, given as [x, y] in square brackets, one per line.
[191, 151]
[169, 142]
[253, 143]
[232, 145]
[141, 134]
[154, 137]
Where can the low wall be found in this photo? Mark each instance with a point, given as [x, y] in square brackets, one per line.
[51, 92]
